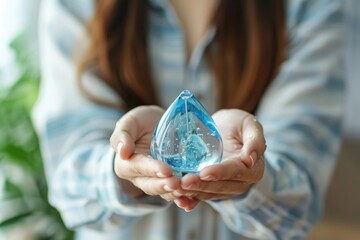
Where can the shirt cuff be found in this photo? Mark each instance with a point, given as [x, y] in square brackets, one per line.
[114, 199]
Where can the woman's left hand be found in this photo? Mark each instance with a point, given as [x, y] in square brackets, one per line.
[242, 164]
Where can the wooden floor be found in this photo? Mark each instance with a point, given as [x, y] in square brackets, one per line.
[335, 229]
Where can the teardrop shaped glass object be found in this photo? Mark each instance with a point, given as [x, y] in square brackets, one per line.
[186, 137]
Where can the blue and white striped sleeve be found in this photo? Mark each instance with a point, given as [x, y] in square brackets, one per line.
[74, 132]
[301, 114]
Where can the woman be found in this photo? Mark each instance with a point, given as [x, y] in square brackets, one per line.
[281, 61]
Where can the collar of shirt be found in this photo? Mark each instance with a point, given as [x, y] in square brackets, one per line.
[168, 50]
[164, 8]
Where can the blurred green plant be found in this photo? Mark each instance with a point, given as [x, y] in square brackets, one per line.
[25, 212]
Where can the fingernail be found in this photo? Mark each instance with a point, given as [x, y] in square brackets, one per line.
[253, 157]
[177, 202]
[119, 147]
[189, 194]
[177, 194]
[208, 178]
[191, 186]
[187, 210]
[167, 188]
[160, 175]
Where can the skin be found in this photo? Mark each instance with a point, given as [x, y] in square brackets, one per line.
[243, 140]
[194, 17]
[242, 164]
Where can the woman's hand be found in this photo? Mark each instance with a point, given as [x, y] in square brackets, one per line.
[138, 173]
[242, 164]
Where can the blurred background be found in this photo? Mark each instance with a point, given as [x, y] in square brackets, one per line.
[24, 210]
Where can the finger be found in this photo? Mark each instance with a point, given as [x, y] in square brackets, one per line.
[156, 186]
[172, 195]
[217, 188]
[141, 165]
[194, 184]
[168, 197]
[196, 195]
[123, 138]
[202, 196]
[186, 203]
[247, 134]
[253, 140]
[132, 126]
[125, 145]
[233, 169]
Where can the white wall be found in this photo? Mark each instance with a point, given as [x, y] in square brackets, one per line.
[15, 16]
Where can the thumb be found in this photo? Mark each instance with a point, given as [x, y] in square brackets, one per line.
[123, 138]
[253, 139]
[133, 126]
[125, 146]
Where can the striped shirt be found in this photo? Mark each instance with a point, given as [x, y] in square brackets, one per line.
[301, 114]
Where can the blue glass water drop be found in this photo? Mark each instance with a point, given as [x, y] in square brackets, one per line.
[186, 137]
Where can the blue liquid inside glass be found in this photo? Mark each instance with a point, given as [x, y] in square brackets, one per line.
[186, 137]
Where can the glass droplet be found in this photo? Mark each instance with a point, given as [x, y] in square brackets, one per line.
[186, 137]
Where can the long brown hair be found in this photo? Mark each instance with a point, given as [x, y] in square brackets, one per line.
[245, 55]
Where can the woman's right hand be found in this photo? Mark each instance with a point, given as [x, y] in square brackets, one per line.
[138, 173]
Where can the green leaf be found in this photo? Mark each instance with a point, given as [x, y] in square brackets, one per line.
[19, 145]
[15, 219]
[11, 190]
[19, 156]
